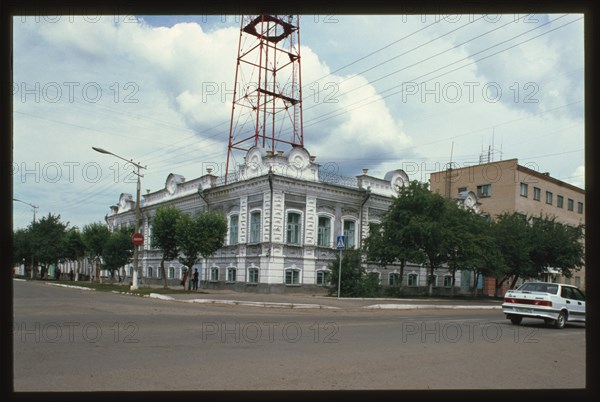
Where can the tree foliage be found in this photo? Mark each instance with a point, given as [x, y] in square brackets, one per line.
[117, 250]
[46, 237]
[95, 236]
[355, 281]
[164, 235]
[201, 235]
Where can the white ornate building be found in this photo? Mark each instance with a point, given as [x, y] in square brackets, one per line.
[284, 216]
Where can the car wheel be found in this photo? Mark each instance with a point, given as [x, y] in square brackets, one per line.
[560, 322]
[516, 319]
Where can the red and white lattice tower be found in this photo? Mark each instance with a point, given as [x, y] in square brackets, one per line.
[267, 98]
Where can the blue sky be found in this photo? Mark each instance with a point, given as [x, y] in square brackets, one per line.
[380, 92]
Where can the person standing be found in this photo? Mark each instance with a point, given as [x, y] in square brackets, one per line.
[195, 284]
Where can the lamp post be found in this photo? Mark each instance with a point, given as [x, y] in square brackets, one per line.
[134, 285]
[35, 207]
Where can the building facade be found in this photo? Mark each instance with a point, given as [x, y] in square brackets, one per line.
[284, 216]
[506, 186]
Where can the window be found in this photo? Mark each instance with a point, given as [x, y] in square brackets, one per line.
[323, 278]
[149, 273]
[233, 229]
[130, 271]
[324, 232]
[413, 280]
[448, 281]
[255, 227]
[171, 272]
[292, 277]
[253, 275]
[231, 274]
[394, 279]
[462, 189]
[524, 190]
[537, 194]
[350, 233]
[293, 228]
[580, 207]
[159, 273]
[549, 196]
[214, 274]
[577, 281]
[484, 190]
[432, 280]
[570, 204]
[559, 201]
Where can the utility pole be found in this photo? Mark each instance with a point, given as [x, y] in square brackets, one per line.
[134, 285]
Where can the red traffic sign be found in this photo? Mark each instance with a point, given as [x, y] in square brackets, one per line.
[137, 239]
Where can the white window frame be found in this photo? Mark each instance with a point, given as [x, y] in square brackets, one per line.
[233, 237]
[171, 272]
[415, 282]
[251, 272]
[295, 272]
[524, 190]
[448, 278]
[484, 190]
[350, 239]
[393, 278]
[149, 272]
[327, 238]
[255, 234]
[326, 278]
[231, 274]
[214, 274]
[300, 226]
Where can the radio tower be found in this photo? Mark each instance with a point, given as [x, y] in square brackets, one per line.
[267, 96]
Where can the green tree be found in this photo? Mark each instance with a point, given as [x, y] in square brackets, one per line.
[95, 236]
[22, 249]
[555, 245]
[117, 250]
[74, 247]
[355, 281]
[164, 235]
[47, 239]
[201, 235]
[514, 240]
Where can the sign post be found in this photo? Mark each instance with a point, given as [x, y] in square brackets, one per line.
[341, 244]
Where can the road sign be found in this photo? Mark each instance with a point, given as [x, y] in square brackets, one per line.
[137, 239]
[341, 242]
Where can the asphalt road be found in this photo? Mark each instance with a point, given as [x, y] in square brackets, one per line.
[76, 340]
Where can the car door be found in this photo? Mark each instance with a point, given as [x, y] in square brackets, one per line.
[574, 303]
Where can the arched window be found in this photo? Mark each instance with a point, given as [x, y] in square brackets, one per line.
[294, 228]
[233, 229]
[149, 272]
[171, 272]
[231, 274]
[292, 277]
[324, 232]
[214, 274]
[255, 227]
[394, 279]
[350, 233]
[323, 278]
[413, 280]
[253, 275]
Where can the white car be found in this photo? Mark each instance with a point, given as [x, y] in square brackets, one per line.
[555, 303]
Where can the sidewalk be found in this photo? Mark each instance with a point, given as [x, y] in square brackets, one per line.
[306, 301]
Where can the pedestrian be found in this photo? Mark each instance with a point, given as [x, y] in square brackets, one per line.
[195, 278]
[42, 272]
[71, 275]
[57, 273]
[184, 278]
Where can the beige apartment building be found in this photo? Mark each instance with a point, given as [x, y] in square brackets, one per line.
[506, 186]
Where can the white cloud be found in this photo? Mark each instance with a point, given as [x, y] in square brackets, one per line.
[165, 100]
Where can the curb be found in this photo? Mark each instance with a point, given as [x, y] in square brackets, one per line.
[246, 303]
[427, 306]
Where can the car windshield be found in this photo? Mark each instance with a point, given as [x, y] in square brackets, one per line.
[540, 287]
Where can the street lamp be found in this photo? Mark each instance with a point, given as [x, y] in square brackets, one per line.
[35, 207]
[134, 285]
